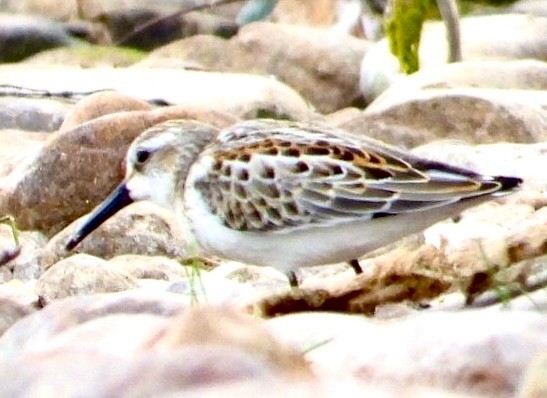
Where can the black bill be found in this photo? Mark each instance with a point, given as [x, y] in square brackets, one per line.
[118, 199]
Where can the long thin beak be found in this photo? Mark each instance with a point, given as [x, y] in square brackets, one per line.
[118, 199]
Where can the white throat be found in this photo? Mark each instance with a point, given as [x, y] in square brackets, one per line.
[158, 188]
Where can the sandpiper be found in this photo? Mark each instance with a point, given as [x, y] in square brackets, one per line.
[290, 194]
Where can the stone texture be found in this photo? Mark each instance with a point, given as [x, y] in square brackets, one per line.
[209, 327]
[32, 114]
[321, 65]
[93, 56]
[330, 388]
[470, 115]
[208, 24]
[21, 36]
[141, 228]
[523, 77]
[63, 315]
[15, 146]
[205, 346]
[535, 381]
[519, 287]
[243, 95]
[225, 327]
[265, 280]
[100, 104]
[318, 13]
[81, 274]
[461, 352]
[208, 287]
[14, 257]
[51, 189]
[48, 9]
[133, 27]
[379, 71]
[149, 267]
[88, 9]
[534, 7]
[147, 29]
[501, 36]
[202, 52]
[360, 19]
[438, 354]
[10, 312]
[184, 369]
[154, 266]
[16, 302]
[342, 116]
[487, 38]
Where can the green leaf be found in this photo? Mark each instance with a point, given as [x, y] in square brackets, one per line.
[403, 29]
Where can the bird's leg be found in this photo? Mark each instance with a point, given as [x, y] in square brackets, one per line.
[292, 279]
[354, 263]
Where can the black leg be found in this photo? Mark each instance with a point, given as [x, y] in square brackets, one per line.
[292, 279]
[356, 266]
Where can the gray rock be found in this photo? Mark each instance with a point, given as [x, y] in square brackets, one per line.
[141, 228]
[63, 315]
[79, 275]
[149, 267]
[534, 7]
[499, 36]
[208, 24]
[491, 37]
[202, 52]
[264, 280]
[527, 79]
[132, 27]
[65, 11]
[459, 351]
[204, 346]
[143, 375]
[470, 115]
[50, 189]
[21, 36]
[324, 388]
[535, 381]
[242, 95]
[88, 56]
[11, 312]
[100, 104]
[16, 302]
[22, 264]
[319, 64]
[32, 114]
[15, 147]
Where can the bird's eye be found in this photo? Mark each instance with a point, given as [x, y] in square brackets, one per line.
[142, 156]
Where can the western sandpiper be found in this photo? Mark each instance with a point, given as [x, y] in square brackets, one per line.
[288, 194]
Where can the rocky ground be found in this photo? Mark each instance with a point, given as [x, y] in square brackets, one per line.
[456, 311]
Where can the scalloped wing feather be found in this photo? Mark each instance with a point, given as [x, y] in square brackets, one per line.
[271, 175]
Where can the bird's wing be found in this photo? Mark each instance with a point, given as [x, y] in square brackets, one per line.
[282, 177]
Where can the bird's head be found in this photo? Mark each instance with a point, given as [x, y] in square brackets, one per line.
[156, 165]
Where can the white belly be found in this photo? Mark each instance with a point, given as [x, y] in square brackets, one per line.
[295, 248]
